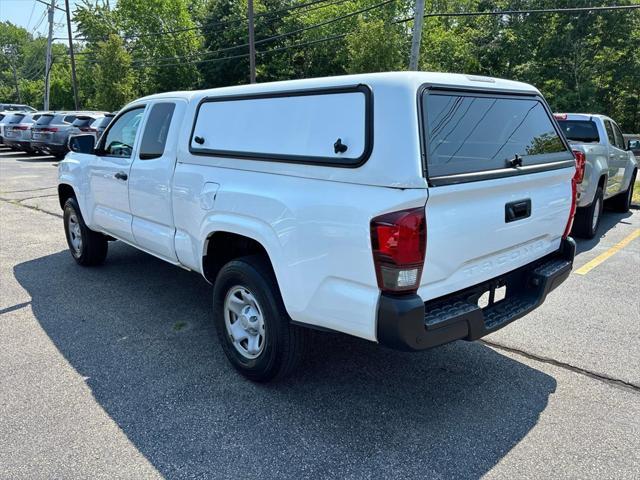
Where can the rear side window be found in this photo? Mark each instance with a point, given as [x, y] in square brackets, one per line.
[609, 129]
[584, 131]
[156, 130]
[324, 126]
[472, 133]
[102, 122]
[618, 136]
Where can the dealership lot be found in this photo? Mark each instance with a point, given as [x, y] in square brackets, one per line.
[115, 372]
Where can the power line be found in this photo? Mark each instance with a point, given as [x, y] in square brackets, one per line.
[209, 25]
[274, 37]
[531, 11]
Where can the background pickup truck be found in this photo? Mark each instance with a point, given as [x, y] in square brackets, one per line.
[338, 204]
[610, 168]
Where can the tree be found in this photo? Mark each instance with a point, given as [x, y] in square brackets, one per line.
[374, 46]
[113, 75]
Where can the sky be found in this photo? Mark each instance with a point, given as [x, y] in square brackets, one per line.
[32, 15]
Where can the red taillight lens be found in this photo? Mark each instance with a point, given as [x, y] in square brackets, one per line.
[88, 129]
[581, 160]
[50, 129]
[560, 116]
[399, 242]
[22, 127]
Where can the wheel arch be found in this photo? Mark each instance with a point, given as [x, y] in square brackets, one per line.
[65, 192]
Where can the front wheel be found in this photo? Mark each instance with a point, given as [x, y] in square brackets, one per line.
[587, 219]
[87, 247]
[251, 321]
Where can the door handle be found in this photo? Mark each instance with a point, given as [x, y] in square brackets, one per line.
[121, 176]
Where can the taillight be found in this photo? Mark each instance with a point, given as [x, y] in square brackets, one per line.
[49, 129]
[399, 242]
[581, 160]
[22, 127]
[560, 116]
[87, 129]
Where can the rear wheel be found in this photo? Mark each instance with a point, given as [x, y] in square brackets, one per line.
[251, 321]
[622, 201]
[587, 219]
[87, 247]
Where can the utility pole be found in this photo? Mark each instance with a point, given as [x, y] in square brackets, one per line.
[73, 58]
[252, 45]
[47, 66]
[418, 20]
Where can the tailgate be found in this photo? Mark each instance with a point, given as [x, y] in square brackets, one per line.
[500, 190]
[469, 237]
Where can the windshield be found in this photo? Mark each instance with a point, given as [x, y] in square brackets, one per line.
[580, 130]
[468, 133]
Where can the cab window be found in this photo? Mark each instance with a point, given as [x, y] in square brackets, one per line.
[119, 139]
[156, 131]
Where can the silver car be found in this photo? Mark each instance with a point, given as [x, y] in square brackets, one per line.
[93, 123]
[51, 131]
[10, 119]
[18, 135]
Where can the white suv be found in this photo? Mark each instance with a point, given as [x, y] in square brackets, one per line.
[410, 209]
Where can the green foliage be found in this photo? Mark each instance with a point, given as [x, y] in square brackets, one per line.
[113, 71]
[580, 61]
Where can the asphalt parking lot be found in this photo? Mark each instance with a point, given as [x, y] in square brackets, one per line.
[115, 372]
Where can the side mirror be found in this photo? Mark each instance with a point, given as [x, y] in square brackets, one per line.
[82, 143]
[633, 144]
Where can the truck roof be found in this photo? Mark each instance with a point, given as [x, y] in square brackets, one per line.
[399, 79]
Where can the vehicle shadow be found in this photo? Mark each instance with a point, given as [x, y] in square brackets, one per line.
[140, 330]
[608, 221]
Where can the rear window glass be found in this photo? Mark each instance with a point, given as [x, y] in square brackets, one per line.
[45, 120]
[102, 122]
[69, 118]
[324, 126]
[15, 118]
[468, 133]
[82, 121]
[580, 130]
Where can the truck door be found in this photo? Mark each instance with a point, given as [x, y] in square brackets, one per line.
[616, 160]
[151, 179]
[621, 156]
[109, 173]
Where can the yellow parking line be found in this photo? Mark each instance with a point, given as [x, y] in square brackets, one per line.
[587, 267]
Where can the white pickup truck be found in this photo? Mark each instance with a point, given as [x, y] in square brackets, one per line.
[610, 168]
[409, 209]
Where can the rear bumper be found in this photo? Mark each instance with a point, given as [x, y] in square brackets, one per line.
[406, 323]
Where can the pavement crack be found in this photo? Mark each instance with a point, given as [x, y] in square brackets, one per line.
[18, 204]
[13, 308]
[37, 196]
[29, 190]
[582, 371]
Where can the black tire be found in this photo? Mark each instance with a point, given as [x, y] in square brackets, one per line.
[583, 223]
[93, 245]
[622, 202]
[283, 343]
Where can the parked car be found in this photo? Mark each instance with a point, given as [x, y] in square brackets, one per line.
[87, 123]
[101, 124]
[16, 107]
[18, 136]
[610, 168]
[51, 132]
[337, 203]
[634, 146]
[3, 115]
[10, 119]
